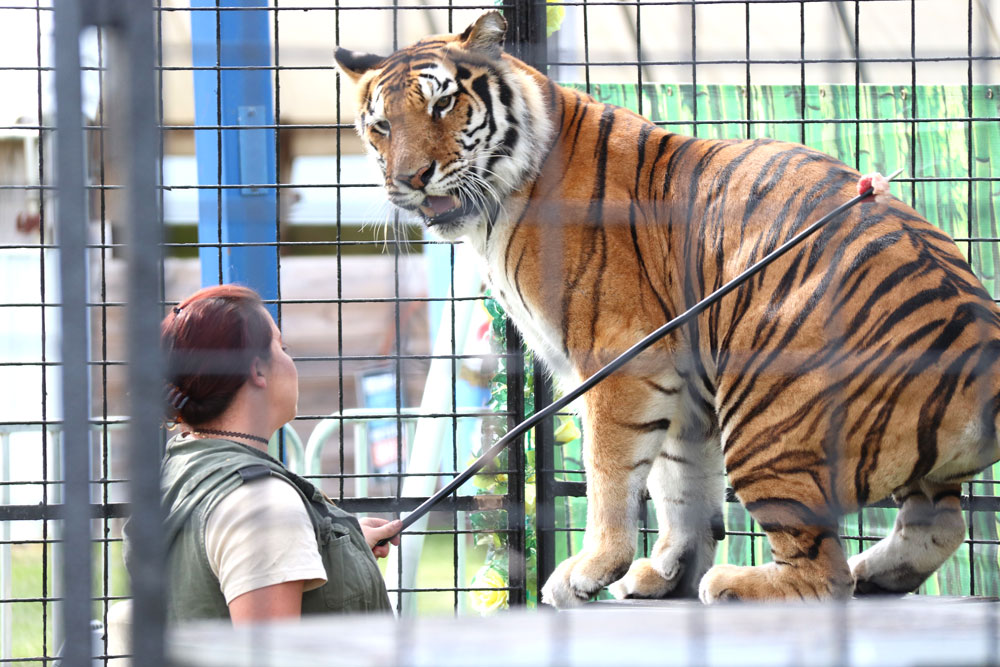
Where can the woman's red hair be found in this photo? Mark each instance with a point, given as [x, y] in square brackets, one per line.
[209, 342]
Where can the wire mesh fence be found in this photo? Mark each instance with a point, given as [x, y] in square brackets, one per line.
[878, 85]
[407, 368]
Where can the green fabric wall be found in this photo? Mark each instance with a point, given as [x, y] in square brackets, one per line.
[951, 174]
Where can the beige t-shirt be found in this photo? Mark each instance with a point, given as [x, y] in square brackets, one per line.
[260, 535]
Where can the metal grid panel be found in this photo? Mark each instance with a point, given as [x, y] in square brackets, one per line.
[34, 482]
[64, 360]
[648, 55]
[820, 73]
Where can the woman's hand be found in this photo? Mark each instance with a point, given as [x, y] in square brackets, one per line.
[378, 529]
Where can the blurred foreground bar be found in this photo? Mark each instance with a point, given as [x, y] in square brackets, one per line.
[915, 630]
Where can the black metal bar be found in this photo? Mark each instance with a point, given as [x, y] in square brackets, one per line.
[332, 185]
[279, 241]
[970, 502]
[54, 512]
[969, 224]
[528, 42]
[694, 68]
[526, 38]
[375, 504]
[545, 482]
[749, 100]
[858, 73]
[103, 440]
[339, 269]
[802, 71]
[457, 573]
[516, 553]
[592, 63]
[43, 219]
[390, 504]
[72, 225]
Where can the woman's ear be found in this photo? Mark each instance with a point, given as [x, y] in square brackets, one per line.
[258, 372]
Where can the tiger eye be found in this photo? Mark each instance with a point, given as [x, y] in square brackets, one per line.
[442, 103]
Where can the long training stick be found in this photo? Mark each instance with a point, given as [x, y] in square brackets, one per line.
[624, 358]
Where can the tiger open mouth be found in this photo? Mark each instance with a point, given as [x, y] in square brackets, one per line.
[440, 209]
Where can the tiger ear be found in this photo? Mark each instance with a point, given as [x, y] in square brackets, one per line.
[355, 64]
[486, 34]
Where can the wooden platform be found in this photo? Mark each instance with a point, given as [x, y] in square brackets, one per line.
[909, 631]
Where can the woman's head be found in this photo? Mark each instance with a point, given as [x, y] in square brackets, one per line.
[210, 342]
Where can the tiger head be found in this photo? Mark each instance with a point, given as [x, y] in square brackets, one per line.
[455, 124]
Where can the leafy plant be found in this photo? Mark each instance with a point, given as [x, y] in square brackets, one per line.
[493, 524]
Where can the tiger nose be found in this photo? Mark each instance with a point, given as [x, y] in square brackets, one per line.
[420, 177]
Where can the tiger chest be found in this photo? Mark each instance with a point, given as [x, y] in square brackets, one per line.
[541, 335]
[536, 321]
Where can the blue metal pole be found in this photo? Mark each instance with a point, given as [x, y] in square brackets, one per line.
[240, 99]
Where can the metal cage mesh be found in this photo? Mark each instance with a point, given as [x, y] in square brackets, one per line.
[373, 309]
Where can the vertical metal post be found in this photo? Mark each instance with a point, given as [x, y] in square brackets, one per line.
[235, 99]
[526, 32]
[72, 234]
[526, 39]
[545, 498]
[134, 130]
[516, 551]
[134, 77]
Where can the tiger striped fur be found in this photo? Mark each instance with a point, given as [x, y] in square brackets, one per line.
[861, 364]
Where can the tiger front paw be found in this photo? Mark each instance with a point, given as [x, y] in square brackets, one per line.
[580, 577]
[672, 571]
[642, 581]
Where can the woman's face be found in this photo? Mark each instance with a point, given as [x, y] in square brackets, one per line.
[283, 379]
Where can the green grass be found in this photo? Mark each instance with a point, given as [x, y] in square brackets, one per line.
[26, 569]
[30, 617]
[32, 620]
[437, 570]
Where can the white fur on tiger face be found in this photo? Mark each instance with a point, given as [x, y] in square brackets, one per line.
[448, 151]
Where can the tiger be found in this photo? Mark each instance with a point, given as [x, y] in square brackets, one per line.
[860, 365]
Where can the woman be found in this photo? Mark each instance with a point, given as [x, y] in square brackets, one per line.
[247, 538]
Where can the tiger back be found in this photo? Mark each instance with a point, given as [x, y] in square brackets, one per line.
[861, 364]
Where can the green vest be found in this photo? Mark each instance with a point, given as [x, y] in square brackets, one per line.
[196, 474]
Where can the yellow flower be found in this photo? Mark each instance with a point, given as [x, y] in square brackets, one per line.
[567, 430]
[483, 482]
[554, 17]
[488, 601]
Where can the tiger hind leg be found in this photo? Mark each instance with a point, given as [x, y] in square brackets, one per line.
[929, 528]
[809, 562]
